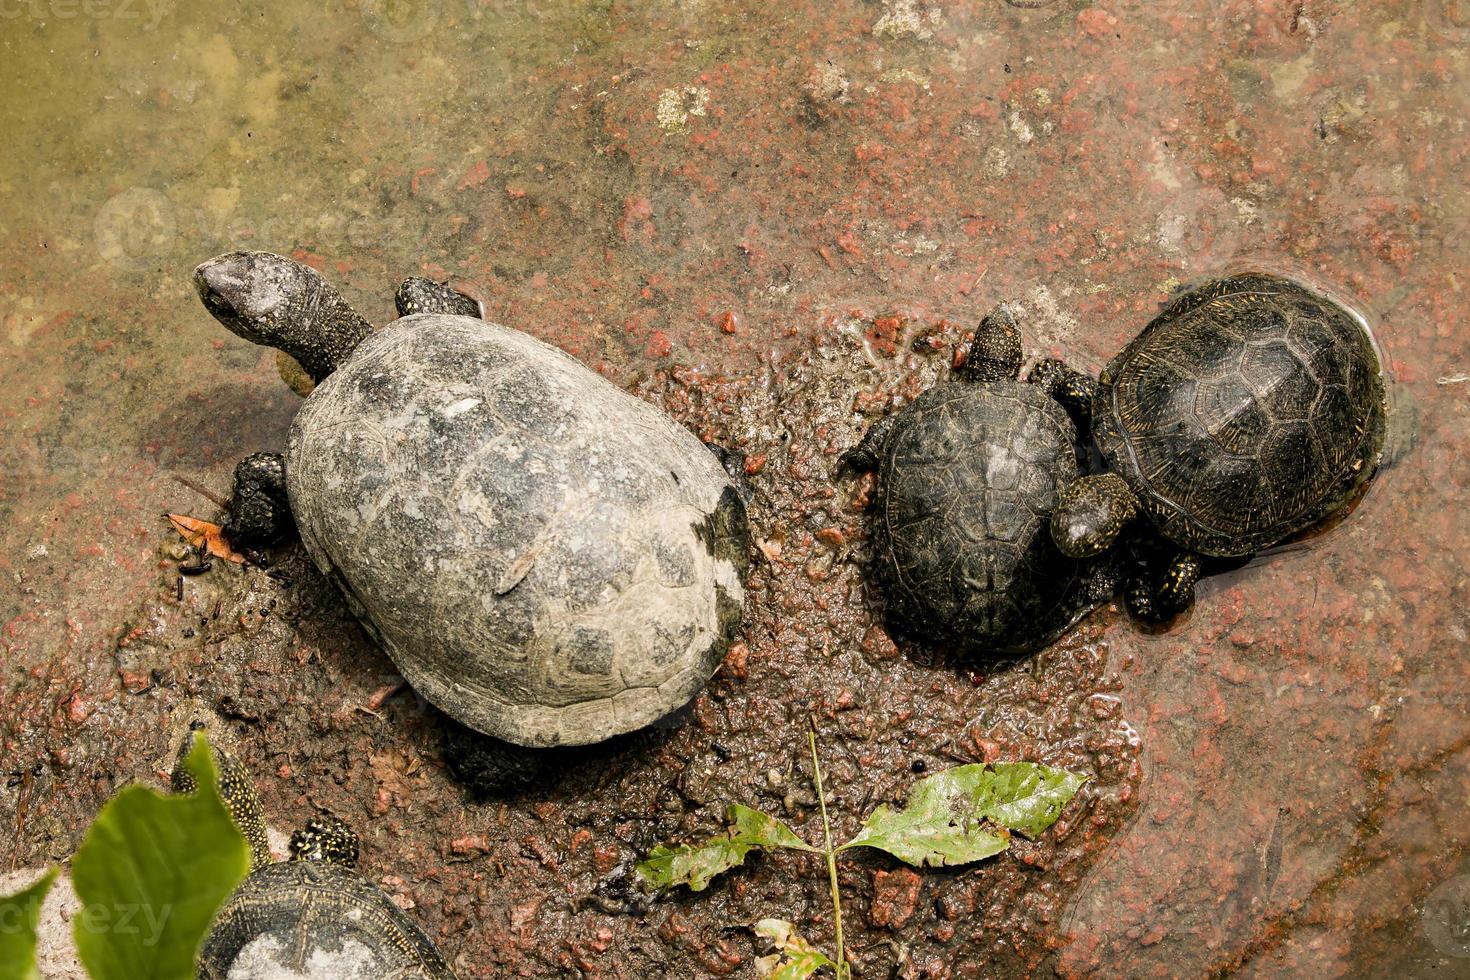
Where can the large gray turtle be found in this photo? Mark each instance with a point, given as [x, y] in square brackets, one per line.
[1250, 410]
[967, 477]
[546, 558]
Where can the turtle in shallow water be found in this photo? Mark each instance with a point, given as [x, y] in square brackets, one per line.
[546, 558]
[967, 477]
[1250, 410]
[312, 917]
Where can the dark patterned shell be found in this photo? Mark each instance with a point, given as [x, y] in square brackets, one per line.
[1248, 411]
[967, 481]
[311, 919]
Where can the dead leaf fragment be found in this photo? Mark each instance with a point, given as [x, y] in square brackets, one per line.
[198, 532]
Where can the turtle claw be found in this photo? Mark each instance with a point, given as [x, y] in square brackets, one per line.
[1159, 600]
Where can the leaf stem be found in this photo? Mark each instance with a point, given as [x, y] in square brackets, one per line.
[842, 968]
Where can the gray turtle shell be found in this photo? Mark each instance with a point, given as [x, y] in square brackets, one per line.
[309, 919]
[545, 557]
[1249, 410]
[967, 480]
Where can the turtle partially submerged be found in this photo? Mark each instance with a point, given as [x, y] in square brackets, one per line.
[968, 475]
[546, 558]
[1250, 410]
[312, 917]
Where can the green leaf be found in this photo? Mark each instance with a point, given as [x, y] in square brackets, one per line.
[794, 959]
[1026, 797]
[697, 865]
[762, 830]
[151, 873]
[964, 814]
[20, 914]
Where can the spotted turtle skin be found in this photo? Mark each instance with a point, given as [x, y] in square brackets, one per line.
[1251, 409]
[967, 478]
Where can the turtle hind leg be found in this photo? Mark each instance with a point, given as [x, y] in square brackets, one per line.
[260, 513]
[1160, 591]
[420, 295]
[489, 767]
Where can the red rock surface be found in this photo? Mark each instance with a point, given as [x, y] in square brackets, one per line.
[775, 221]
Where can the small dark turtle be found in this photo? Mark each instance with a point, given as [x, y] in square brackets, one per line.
[313, 917]
[1249, 411]
[546, 558]
[967, 478]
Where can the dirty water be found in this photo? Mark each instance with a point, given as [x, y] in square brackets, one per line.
[776, 222]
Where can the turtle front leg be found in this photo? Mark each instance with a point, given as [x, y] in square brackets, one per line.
[864, 456]
[420, 295]
[1073, 390]
[488, 767]
[1159, 597]
[260, 513]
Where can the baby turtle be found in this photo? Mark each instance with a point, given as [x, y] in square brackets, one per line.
[313, 917]
[1249, 411]
[967, 477]
[546, 558]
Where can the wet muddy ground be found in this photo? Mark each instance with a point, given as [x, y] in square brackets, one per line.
[776, 222]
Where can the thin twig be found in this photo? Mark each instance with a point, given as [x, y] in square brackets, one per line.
[842, 969]
[203, 491]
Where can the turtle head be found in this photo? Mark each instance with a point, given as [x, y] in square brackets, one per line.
[996, 352]
[1090, 513]
[328, 840]
[236, 791]
[270, 299]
